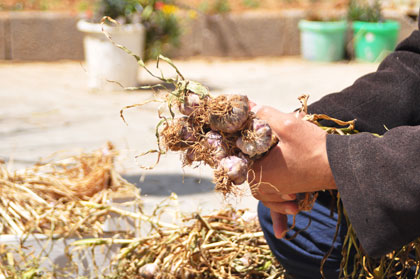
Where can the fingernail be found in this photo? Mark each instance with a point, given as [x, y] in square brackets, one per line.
[287, 197]
[283, 234]
[289, 211]
[256, 108]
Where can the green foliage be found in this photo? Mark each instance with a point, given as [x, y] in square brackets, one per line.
[362, 10]
[251, 3]
[215, 6]
[222, 6]
[163, 30]
[158, 17]
[117, 9]
[83, 6]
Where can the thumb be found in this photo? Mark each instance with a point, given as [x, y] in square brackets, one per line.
[277, 120]
[279, 224]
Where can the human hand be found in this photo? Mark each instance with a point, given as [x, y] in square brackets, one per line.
[298, 163]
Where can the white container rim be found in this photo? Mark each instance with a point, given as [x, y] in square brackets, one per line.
[90, 27]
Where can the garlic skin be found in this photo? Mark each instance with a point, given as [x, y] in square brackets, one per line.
[179, 135]
[149, 271]
[261, 139]
[191, 155]
[215, 143]
[246, 260]
[235, 168]
[231, 121]
[249, 216]
[187, 134]
[191, 102]
[214, 150]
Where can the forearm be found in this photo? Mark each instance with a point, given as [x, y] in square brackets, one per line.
[378, 178]
[379, 181]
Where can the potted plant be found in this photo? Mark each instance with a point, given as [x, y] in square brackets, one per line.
[105, 62]
[373, 37]
[145, 27]
[323, 34]
[162, 27]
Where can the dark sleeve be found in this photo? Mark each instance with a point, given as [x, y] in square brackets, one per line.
[378, 178]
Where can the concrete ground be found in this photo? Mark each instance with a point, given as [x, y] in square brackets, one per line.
[47, 108]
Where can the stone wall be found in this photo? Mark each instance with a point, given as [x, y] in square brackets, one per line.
[242, 35]
[48, 36]
[3, 36]
[40, 36]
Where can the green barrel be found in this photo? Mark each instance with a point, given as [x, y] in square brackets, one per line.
[323, 40]
[373, 41]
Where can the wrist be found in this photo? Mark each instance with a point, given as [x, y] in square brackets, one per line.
[327, 177]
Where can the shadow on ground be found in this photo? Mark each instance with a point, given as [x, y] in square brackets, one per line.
[165, 184]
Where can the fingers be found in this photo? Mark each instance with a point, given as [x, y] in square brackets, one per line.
[287, 208]
[283, 125]
[280, 122]
[264, 177]
[276, 197]
[279, 224]
[274, 117]
[268, 193]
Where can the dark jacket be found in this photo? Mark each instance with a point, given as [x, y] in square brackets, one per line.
[378, 178]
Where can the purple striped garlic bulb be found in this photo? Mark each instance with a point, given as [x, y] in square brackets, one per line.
[179, 135]
[257, 140]
[190, 103]
[228, 113]
[214, 141]
[236, 168]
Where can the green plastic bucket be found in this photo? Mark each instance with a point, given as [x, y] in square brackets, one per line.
[373, 41]
[322, 40]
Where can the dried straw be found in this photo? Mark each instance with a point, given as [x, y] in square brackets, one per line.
[48, 198]
[226, 244]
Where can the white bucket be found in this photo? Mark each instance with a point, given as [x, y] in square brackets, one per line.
[107, 65]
